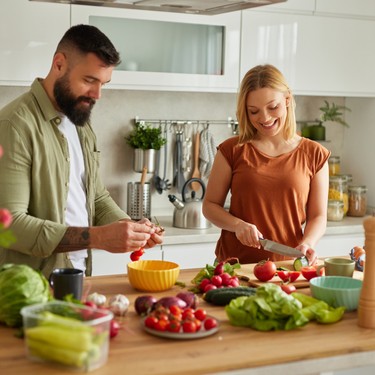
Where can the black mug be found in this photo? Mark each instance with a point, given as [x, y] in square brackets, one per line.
[65, 281]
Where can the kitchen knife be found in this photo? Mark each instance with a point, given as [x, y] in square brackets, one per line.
[277, 248]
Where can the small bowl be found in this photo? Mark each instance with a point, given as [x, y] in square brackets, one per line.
[337, 291]
[153, 275]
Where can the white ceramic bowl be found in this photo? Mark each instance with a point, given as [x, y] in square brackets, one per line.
[337, 290]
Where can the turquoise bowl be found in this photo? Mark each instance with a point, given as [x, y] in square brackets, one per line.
[337, 291]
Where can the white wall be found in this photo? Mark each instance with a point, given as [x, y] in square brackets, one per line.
[359, 144]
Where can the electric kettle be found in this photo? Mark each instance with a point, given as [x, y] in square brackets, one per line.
[188, 212]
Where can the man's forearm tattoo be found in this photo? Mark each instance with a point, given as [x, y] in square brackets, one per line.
[75, 238]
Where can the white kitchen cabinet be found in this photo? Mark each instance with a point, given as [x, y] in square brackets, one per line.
[190, 255]
[105, 263]
[133, 74]
[339, 245]
[290, 6]
[29, 33]
[318, 55]
[347, 8]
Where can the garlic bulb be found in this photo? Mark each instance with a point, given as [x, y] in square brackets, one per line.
[98, 299]
[118, 304]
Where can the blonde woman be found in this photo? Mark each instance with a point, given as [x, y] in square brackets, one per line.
[278, 180]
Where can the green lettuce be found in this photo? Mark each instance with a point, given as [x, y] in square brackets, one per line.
[269, 309]
[20, 286]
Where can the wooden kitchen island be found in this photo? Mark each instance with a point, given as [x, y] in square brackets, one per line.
[312, 349]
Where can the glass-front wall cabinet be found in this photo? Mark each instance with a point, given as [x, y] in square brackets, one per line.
[170, 51]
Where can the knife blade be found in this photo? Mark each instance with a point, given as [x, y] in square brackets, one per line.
[280, 249]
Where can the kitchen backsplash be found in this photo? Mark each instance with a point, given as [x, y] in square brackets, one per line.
[113, 118]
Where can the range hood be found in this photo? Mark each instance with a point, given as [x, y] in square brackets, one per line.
[206, 7]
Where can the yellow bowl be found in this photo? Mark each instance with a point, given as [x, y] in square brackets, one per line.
[153, 275]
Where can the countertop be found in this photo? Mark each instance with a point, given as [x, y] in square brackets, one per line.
[311, 349]
[176, 236]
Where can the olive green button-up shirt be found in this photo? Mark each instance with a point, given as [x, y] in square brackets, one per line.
[34, 181]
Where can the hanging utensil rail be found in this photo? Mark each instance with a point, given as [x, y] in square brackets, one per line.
[230, 122]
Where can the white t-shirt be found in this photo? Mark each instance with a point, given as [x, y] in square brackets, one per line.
[76, 211]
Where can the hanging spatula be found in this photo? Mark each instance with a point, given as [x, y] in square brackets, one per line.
[196, 173]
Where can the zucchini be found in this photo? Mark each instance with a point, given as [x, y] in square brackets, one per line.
[300, 262]
[223, 296]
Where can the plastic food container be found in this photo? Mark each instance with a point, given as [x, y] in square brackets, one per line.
[69, 335]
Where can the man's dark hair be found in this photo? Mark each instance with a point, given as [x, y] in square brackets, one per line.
[89, 39]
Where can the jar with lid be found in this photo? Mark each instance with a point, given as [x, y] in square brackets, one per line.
[347, 177]
[338, 190]
[334, 165]
[357, 200]
[335, 210]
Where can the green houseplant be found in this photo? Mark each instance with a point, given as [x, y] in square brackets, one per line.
[145, 137]
[146, 140]
[329, 113]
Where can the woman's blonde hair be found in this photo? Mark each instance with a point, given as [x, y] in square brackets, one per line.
[259, 77]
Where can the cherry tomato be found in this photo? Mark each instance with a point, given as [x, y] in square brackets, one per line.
[161, 325]
[189, 326]
[175, 310]
[310, 272]
[114, 328]
[288, 288]
[151, 321]
[174, 326]
[136, 255]
[200, 314]
[188, 313]
[210, 323]
[288, 276]
[265, 270]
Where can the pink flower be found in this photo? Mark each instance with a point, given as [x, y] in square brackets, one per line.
[5, 217]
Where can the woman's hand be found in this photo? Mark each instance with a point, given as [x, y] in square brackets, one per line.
[309, 252]
[248, 234]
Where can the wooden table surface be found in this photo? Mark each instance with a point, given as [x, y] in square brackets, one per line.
[134, 351]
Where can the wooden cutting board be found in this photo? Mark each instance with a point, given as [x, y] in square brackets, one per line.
[246, 274]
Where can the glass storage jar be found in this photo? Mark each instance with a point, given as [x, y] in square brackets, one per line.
[335, 210]
[334, 165]
[357, 200]
[338, 190]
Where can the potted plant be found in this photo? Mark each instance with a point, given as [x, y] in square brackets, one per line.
[330, 113]
[146, 140]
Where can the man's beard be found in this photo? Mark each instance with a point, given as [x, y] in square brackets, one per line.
[69, 104]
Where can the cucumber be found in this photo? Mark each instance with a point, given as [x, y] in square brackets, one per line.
[223, 296]
[300, 262]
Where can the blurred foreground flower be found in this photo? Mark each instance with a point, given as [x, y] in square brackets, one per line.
[6, 236]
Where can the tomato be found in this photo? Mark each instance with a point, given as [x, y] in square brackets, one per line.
[288, 288]
[175, 310]
[265, 270]
[136, 255]
[210, 323]
[288, 276]
[189, 326]
[200, 314]
[114, 328]
[188, 313]
[310, 272]
[174, 326]
[151, 321]
[161, 325]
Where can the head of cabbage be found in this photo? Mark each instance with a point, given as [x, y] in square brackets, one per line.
[20, 285]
